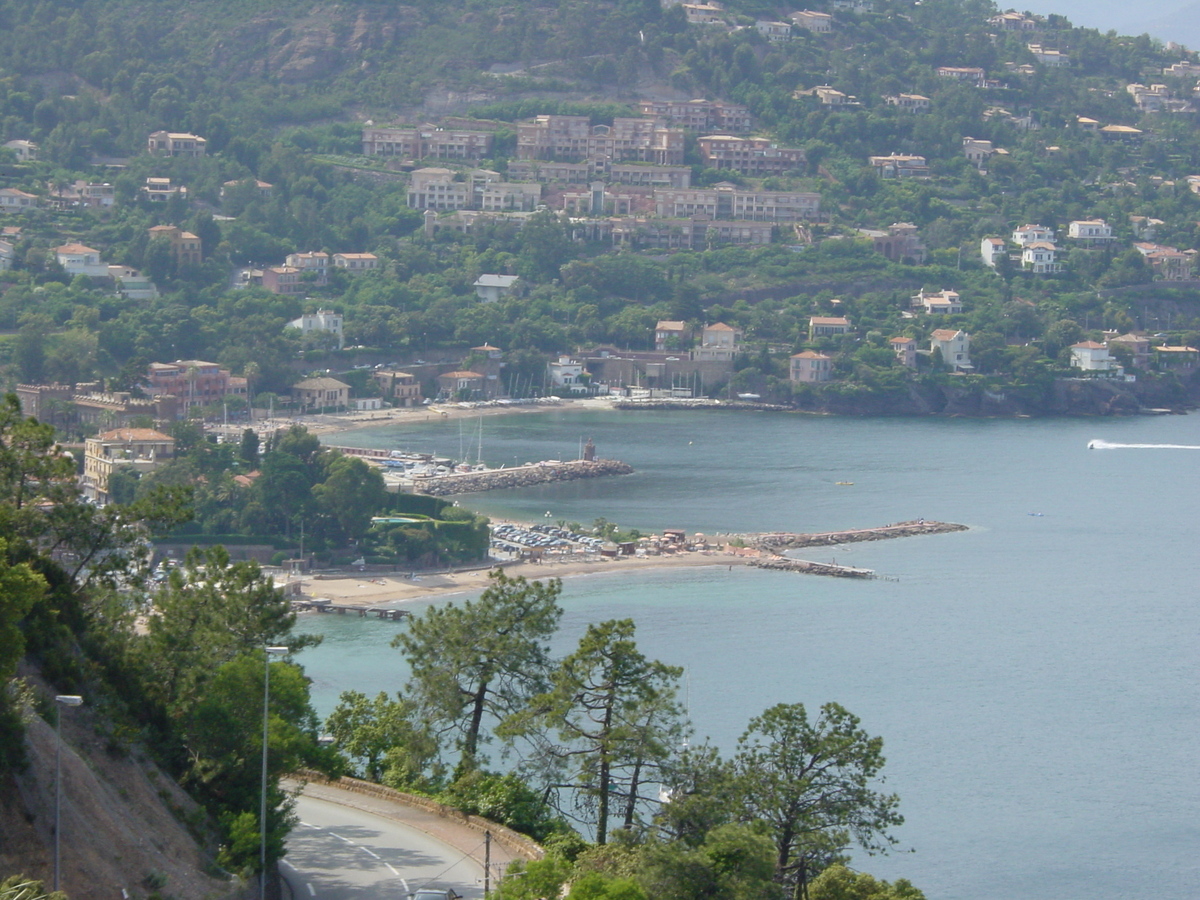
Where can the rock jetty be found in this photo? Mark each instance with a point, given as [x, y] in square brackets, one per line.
[521, 476]
[778, 542]
[660, 403]
[807, 567]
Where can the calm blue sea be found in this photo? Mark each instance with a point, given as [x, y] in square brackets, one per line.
[1034, 679]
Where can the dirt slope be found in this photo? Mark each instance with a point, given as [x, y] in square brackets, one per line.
[122, 822]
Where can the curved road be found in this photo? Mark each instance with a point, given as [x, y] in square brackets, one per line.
[346, 852]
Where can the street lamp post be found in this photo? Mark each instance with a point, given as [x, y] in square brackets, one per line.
[262, 813]
[61, 700]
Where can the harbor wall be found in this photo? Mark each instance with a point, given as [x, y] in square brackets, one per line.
[523, 476]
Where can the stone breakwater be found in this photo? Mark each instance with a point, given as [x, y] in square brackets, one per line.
[523, 476]
[696, 403]
[776, 543]
[807, 567]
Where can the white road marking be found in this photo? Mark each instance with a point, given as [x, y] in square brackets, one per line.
[404, 881]
[340, 838]
[370, 853]
[311, 891]
[397, 874]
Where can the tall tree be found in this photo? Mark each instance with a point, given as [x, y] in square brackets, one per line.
[486, 657]
[351, 494]
[223, 733]
[813, 784]
[614, 714]
[210, 611]
[381, 734]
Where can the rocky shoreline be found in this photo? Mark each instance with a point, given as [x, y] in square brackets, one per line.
[524, 476]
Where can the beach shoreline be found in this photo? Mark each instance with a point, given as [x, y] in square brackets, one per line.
[365, 589]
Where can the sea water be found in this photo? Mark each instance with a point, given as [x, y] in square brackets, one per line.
[1034, 678]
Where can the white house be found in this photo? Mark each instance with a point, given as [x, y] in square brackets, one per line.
[132, 284]
[321, 320]
[912, 103]
[992, 249]
[774, 31]
[1090, 230]
[25, 150]
[941, 303]
[955, 347]
[13, 200]
[6, 255]
[1091, 357]
[1027, 234]
[569, 374]
[818, 22]
[80, 260]
[1049, 56]
[977, 151]
[490, 288]
[1039, 258]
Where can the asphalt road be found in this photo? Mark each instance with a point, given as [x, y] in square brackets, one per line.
[341, 853]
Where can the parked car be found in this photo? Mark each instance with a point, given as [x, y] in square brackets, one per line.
[435, 894]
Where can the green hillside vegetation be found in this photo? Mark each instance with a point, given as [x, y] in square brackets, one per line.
[280, 89]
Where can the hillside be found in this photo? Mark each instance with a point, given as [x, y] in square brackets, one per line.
[955, 123]
[125, 822]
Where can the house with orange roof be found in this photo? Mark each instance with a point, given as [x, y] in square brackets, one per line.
[954, 347]
[13, 200]
[1092, 356]
[810, 367]
[671, 332]
[718, 343]
[905, 349]
[77, 259]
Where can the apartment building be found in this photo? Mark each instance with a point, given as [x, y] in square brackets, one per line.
[194, 382]
[701, 115]
[140, 449]
[727, 201]
[444, 189]
[575, 138]
[636, 174]
[749, 155]
[426, 142]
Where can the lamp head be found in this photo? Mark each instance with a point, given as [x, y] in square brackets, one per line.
[278, 651]
[69, 699]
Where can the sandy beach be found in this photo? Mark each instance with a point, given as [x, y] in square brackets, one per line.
[375, 590]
